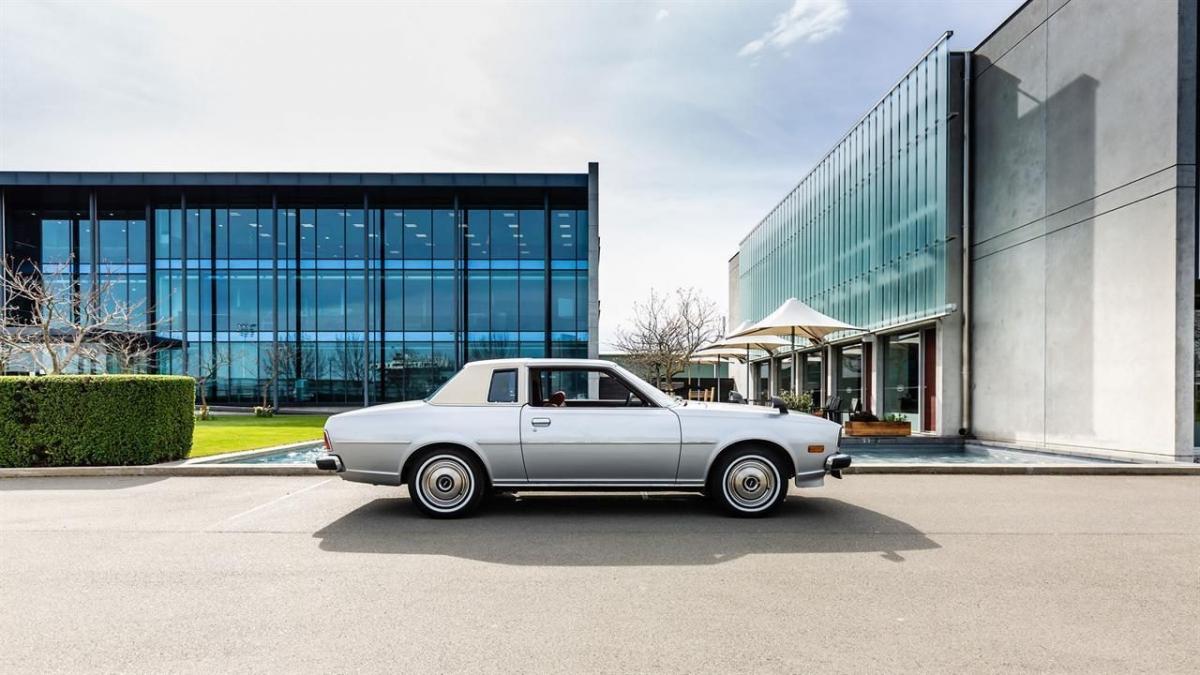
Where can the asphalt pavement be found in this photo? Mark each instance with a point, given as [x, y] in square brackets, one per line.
[871, 574]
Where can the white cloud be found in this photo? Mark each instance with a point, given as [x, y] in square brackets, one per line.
[662, 14]
[807, 21]
[693, 150]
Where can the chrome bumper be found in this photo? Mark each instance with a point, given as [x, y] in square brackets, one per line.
[328, 462]
[835, 463]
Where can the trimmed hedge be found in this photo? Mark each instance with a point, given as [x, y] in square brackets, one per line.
[83, 420]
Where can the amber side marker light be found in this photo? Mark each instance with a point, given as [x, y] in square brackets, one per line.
[816, 448]
[329, 446]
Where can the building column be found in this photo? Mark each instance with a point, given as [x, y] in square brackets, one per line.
[874, 402]
[275, 360]
[3, 257]
[949, 393]
[366, 351]
[593, 260]
[183, 279]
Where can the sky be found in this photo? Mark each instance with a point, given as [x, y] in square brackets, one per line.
[702, 115]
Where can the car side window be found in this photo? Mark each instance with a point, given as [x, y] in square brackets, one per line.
[581, 388]
[504, 387]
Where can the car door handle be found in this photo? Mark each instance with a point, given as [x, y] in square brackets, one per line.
[540, 421]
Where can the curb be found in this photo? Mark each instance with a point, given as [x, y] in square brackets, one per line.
[178, 470]
[1030, 469]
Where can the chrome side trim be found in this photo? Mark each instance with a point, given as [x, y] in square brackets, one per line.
[597, 484]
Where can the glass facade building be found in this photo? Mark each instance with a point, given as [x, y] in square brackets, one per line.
[868, 236]
[325, 289]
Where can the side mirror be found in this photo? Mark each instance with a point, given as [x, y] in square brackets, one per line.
[779, 405]
[735, 397]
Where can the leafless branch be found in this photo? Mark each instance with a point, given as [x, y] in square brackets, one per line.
[666, 331]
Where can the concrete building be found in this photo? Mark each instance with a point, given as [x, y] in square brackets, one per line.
[331, 288]
[1047, 299]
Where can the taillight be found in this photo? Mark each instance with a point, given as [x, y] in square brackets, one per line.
[328, 445]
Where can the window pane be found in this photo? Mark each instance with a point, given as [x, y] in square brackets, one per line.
[56, 241]
[331, 301]
[418, 301]
[112, 241]
[504, 301]
[417, 230]
[243, 233]
[532, 242]
[533, 301]
[393, 292]
[478, 301]
[478, 234]
[331, 233]
[356, 234]
[393, 234]
[243, 302]
[137, 241]
[504, 387]
[562, 235]
[444, 233]
[308, 234]
[562, 300]
[445, 301]
[504, 235]
[355, 302]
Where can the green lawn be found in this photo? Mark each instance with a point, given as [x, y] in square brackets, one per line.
[228, 433]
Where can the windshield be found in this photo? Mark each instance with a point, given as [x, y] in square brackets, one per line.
[652, 392]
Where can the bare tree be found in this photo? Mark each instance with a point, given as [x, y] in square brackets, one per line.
[347, 359]
[282, 364]
[7, 352]
[208, 369]
[51, 321]
[666, 331]
[129, 340]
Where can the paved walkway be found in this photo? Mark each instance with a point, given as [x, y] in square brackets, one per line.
[871, 574]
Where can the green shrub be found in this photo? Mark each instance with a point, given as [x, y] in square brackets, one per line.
[82, 420]
[802, 402]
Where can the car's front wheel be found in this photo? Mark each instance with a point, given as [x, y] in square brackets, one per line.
[447, 483]
[748, 483]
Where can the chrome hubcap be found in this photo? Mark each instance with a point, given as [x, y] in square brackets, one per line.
[751, 482]
[446, 482]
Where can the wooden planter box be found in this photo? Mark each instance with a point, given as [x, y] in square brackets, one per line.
[878, 428]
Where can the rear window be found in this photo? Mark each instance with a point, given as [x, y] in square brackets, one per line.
[504, 387]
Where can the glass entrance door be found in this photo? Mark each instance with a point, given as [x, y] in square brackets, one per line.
[902, 377]
[850, 377]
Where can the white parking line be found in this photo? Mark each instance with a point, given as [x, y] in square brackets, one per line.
[270, 503]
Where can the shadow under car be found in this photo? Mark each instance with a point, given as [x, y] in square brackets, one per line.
[619, 529]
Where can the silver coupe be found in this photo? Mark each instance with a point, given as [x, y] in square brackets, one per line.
[575, 424]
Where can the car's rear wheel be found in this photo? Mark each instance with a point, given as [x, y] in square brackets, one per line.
[447, 483]
[748, 483]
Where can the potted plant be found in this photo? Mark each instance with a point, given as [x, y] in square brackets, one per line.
[867, 424]
[801, 402]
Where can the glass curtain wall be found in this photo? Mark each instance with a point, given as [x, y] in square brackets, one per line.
[282, 298]
[863, 237]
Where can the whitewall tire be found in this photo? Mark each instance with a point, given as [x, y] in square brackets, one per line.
[748, 483]
[447, 483]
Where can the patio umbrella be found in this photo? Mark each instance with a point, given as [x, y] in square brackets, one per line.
[794, 318]
[766, 343]
[697, 357]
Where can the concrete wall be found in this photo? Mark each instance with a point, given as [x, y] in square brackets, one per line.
[737, 370]
[1082, 248]
[593, 260]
